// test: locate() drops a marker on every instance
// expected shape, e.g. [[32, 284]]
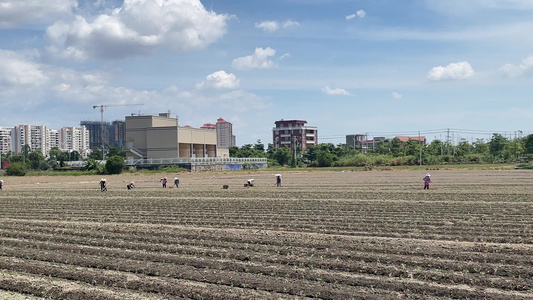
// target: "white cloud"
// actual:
[[526, 66], [137, 28], [284, 56], [460, 70], [16, 13], [268, 26], [335, 92], [258, 60], [16, 70], [396, 95], [219, 80], [360, 13], [271, 26], [290, 23]]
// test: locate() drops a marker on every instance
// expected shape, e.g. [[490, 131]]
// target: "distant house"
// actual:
[[365, 145], [294, 134]]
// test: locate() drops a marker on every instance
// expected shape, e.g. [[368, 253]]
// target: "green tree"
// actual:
[[497, 145], [396, 147], [528, 144], [116, 151], [114, 164], [515, 148], [96, 154], [75, 155], [16, 169], [435, 147], [463, 148], [35, 158], [324, 158], [282, 155], [480, 147]]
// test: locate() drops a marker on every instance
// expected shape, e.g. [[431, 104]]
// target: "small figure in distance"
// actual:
[[427, 181], [131, 185], [250, 182], [176, 181], [1, 184], [103, 185], [163, 182], [278, 179]]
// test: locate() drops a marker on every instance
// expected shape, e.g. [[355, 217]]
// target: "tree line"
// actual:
[[20, 163], [394, 152]]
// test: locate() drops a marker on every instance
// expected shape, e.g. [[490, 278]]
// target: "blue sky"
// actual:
[[382, 67]]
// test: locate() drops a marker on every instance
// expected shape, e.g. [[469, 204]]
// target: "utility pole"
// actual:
[[420, 147]]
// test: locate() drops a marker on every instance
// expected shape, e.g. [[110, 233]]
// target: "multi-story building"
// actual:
[[35, 136], [294, 134], [5, 139], [95, 133], [75, 139], [117, 133], [354, 140], [225, 137], [53, 140], [160, 137]]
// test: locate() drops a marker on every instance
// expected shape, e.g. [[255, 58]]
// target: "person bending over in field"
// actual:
[[131, 185], [163, 182], [103, 185], [176, 181], [427, 181], [1, 184]]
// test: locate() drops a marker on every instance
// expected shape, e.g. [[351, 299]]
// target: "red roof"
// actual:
[[411, 138], [220, 120], [209, 126]]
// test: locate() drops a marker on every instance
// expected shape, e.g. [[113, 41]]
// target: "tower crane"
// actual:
[[102, 107]]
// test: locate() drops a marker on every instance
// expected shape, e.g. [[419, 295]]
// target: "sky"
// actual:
[[377, 67]]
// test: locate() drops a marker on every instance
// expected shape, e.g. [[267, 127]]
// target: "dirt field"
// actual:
[[327, 235]]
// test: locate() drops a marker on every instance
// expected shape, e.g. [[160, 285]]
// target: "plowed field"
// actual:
[[326, 235]]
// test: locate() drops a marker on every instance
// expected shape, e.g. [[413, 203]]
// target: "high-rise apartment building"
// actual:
[[225, 137], [294, 134], [35, 136], [75, 139], [95, 133], [5, 139]]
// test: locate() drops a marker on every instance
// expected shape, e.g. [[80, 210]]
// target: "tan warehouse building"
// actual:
[[156, 137]]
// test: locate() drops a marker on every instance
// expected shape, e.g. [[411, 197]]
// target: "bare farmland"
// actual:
[[327, 235]]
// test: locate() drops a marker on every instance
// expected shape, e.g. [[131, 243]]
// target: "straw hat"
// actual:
[[427, 174]]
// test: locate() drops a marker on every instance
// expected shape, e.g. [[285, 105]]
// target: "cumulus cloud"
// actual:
[[268, 26], [525, 67], [16, 70], [14, 13], [460, 70], [219, 80], [137, 28], [258, 60], [271, 26], [360, 13], [335, 92], [396, 95]]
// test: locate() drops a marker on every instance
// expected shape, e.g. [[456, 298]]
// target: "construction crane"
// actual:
[[102, 107]]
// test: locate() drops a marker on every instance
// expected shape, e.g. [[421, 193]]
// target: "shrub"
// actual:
[[114, 165], [16, 169]]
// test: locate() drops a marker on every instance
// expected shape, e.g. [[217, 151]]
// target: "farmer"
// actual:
[[1, 184], [131, 185], [103, 185], [250, 182], [176, 181], [427, 181], [278, 179], [163, 182]]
